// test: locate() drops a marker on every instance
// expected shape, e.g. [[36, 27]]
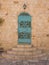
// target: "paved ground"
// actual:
[[4, 61]]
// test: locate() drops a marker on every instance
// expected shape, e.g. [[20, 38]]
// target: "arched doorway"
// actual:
[[24, 28]]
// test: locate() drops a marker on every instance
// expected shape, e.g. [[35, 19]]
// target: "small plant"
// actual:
[[1, 21]]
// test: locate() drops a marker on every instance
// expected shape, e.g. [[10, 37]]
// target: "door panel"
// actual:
[[24, 28]]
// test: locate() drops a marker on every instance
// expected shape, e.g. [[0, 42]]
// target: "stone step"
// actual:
[[19, 53], [23, 49], [24, 57], [23, 46], [17, 56], [11, 56], [37, 52], [24, 53], [7, 56]]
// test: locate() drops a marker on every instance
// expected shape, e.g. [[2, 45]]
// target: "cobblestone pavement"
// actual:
[[4, 61]]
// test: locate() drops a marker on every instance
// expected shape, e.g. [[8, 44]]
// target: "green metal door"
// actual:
[[24, 28]]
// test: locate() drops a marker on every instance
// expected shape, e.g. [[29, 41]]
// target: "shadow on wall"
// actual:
[[1, 21], [1, 49]]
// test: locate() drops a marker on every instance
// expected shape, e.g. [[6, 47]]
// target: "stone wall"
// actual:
[[9, 11]]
